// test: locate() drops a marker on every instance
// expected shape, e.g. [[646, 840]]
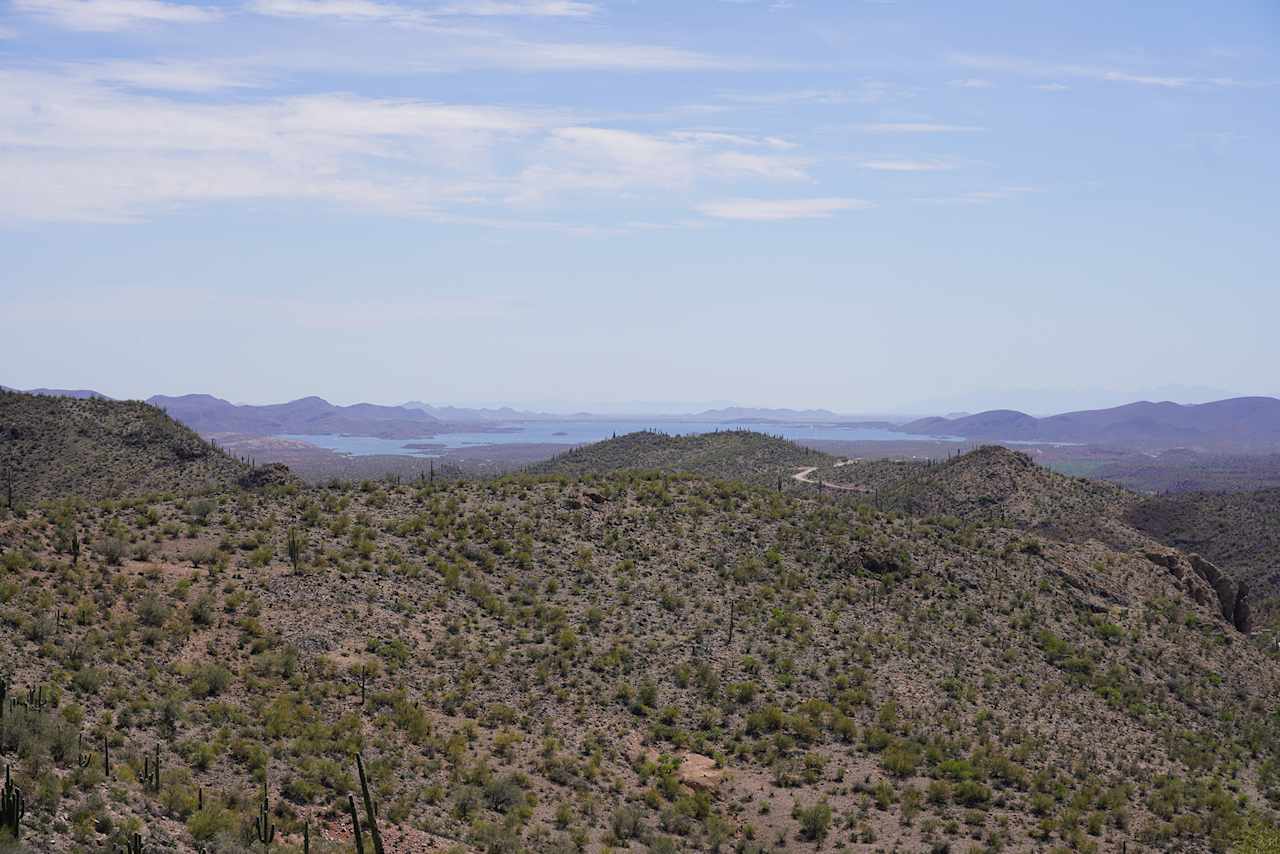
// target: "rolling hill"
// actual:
[[995, 485], [626, 661], [56, 447], [730, 454]]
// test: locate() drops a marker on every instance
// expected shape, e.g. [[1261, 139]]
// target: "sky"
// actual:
[[864, 206]]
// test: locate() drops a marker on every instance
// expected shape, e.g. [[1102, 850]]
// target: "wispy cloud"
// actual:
[[568, 56], [905, 165], [732, 139], [530, 8], [167, 75], [6, 33], [970, 83], [372, 10], [592, 159], [777, 210], [89, 144], [917, 127], [980, 197], [354, 10], [1099, 72], [84, 150], [868, 91], [109, 15]]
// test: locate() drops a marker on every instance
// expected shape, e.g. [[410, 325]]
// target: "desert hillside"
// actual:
[[635, 662], [1238, 531], [56, 447], [742, 455], [997, 486]]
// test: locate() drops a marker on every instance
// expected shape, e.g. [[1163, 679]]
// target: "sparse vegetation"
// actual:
[[545, 663]]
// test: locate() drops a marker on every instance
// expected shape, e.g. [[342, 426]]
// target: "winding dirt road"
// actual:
[[804, 476]]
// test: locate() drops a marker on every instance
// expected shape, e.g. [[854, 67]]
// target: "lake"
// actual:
[[582, 432]]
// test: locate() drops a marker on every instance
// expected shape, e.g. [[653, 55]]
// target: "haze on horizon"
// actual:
[[867, 207]]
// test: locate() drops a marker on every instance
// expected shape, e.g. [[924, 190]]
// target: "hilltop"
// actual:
[[995, 485], [57, 447], [729, 454]]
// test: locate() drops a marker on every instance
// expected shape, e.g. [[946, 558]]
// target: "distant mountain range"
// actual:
[[735, 414], [1047, 401], [309, 416], [1240, 421]]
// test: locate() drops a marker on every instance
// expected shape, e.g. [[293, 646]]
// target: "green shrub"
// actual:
[[815, 821]]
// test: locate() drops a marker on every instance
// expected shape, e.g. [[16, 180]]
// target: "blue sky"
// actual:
[[858, 205]]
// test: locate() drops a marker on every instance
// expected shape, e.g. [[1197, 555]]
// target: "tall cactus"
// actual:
[[370, 808], [132, 846], [262, 825], [355, 822], [82, 758], [12, 806], [151, 771]]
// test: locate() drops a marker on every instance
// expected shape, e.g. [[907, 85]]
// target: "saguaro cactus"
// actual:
[[294, 544], [151, 771], [262, 825], [12, 806], [132, 846], [355, 822], [370, 808]]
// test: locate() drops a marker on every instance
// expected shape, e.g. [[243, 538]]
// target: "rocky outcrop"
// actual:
[[1232, 598], [1243, 615], [271, 474]]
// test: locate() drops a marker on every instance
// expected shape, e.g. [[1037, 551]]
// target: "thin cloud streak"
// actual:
[[112, 15], [905, 165], [1100, 73], [84, 146], [779, 210], [917, 127]]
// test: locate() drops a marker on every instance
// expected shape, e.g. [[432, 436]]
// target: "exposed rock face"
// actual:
[[1168, 560], [1243, 617], [1232, 597]]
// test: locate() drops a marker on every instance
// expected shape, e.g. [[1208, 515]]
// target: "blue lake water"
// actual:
[[581, 432]]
